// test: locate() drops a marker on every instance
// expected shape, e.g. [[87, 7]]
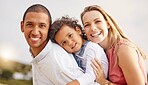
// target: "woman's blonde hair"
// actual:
[[114, 32]]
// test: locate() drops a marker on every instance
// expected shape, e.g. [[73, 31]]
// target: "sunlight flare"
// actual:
[[7, 51]]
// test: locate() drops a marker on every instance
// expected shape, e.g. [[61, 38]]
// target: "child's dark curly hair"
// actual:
[[65, 20]]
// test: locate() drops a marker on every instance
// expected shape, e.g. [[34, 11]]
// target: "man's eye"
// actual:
[[42, 25], [29, 24]]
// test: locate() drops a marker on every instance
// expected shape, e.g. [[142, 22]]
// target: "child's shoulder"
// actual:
[[91, 44]]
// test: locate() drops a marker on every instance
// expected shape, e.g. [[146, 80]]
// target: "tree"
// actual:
[[6, 74]]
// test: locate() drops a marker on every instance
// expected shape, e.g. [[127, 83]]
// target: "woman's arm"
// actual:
[[131, 69]]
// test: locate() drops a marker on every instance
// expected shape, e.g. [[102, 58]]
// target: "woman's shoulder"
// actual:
[[125, 48], [124, 44]]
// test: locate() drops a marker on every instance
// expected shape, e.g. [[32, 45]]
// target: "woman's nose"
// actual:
[[93, 27]]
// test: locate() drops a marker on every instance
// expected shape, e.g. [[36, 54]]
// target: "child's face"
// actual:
[[69, 39], [95, 26]]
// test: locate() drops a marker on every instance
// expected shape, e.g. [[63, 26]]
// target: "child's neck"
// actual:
[[84, 41]]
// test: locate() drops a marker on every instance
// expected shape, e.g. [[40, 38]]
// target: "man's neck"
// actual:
[[36, 50]]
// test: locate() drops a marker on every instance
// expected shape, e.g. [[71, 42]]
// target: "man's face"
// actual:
[[35, 28]]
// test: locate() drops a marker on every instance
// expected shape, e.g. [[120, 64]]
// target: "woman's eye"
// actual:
[[86, 25], [98, 21]]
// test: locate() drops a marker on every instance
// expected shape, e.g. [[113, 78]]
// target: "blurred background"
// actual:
[[15, 69]]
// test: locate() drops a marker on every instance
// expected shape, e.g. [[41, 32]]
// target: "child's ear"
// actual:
[[78, 30]]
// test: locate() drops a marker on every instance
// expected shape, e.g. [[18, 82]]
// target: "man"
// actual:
[[51, 64]]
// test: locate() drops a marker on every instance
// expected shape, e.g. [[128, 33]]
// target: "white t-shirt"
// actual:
[[91, 50], [54, 66]]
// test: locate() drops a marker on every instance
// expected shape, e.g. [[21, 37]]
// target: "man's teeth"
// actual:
[[34, 39]]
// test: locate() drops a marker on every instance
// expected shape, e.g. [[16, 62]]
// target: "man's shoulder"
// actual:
[[54, 48], [50, 45]]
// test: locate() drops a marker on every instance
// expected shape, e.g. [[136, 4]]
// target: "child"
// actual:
[[68, 34]]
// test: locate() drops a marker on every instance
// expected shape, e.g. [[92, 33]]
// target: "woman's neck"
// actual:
[[105, 44]]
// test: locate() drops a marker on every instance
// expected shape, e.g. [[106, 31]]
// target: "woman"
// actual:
[[126, 60]]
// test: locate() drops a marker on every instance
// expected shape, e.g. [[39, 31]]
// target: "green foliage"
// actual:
[[14, 66], [16, 82], [8, 67], [6, 74]]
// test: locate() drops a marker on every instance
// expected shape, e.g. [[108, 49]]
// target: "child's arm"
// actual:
[[88, 77], [74, 82]]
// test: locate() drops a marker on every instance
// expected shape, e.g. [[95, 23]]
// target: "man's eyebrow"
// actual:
[[28, 22], [43, 23]]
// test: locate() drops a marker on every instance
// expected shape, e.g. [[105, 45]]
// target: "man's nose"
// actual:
[[35, 31]]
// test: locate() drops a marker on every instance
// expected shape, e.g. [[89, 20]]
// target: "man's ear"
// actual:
[[78, 30], [22, 24]]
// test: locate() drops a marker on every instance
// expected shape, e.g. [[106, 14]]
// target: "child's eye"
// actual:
[[70, 35], [63, 43]]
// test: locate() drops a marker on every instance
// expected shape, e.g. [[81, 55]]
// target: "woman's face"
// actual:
[[95, 26]]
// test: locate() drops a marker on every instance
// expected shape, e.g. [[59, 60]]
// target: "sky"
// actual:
[[131, 16]]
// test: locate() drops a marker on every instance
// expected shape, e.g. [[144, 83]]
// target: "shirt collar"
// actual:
[[81, 51], [43, 53]]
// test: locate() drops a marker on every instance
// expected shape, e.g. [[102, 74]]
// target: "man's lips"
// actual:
[[34, 38]]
